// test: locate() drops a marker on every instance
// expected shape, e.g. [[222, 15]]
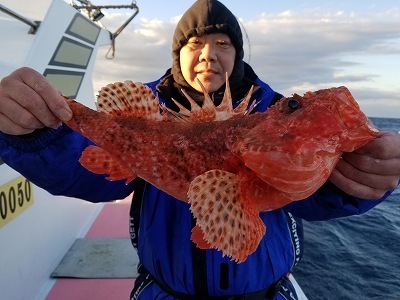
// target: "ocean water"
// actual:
[[357, 257]]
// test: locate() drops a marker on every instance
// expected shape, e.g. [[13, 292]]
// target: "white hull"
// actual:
[[34, 240]]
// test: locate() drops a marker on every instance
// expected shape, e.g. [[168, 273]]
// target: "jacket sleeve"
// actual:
[[49, 159], [330, 202]]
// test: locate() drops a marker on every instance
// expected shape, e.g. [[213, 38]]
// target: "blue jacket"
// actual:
[[49, 158]]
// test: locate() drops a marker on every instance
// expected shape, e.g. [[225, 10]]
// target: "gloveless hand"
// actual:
[[372, 170], [28, 102]]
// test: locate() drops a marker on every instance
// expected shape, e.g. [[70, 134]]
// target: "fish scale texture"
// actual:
[[228, 164]]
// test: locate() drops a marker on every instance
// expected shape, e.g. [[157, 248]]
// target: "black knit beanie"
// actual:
[[205, 17]]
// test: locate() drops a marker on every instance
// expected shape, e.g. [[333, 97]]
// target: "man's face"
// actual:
[[207, 58]]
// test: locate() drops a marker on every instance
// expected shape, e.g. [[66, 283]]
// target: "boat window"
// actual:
[[70, 53], [82, 28], [67, 82]]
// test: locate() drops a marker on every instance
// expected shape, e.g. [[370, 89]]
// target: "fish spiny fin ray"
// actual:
[[226, 221], [99, 161], [203, 113], [183, 111], [129, 98], [225, 109], [208, 111], [244, 108]]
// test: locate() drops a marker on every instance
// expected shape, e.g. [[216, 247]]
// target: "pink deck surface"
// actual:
[[112, 221]]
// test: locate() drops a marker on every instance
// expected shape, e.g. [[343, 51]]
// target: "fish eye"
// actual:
[[293, 104]]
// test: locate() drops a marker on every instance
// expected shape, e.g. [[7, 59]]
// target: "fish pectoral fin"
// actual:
[[128, 98], [228, 222], [99, 161]]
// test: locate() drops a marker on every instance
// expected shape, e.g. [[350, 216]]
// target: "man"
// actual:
[[207, 43]]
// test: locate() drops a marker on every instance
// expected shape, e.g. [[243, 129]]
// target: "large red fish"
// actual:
[[228, 164]]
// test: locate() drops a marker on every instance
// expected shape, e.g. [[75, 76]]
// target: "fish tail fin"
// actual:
[[99, 161], [227, 221]]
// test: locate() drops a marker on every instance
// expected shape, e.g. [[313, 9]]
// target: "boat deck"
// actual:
[[112, 222]]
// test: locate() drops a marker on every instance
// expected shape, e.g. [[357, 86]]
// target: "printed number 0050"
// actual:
[[15, 197]]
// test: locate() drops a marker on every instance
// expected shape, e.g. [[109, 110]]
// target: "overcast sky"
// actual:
[[293, 45]]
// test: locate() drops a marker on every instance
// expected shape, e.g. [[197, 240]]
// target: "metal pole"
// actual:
[[34, 24], [118, 31]]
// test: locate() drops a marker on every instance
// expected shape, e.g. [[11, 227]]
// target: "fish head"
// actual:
[[297, 145], [330, 120]]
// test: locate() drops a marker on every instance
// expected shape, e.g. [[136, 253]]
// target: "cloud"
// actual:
[[292, 51], [143, 53], [312, 47]]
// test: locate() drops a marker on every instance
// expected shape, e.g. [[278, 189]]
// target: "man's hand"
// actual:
[[28, 102], [372, 170]]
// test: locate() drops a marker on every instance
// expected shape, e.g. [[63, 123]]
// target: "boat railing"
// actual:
[[94, 13], [34, 24]]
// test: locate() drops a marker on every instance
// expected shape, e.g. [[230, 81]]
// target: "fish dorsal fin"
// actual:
[[203, 113], [225, 110], [129, 99], [208, 111], [227, 221], [244, 108]]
